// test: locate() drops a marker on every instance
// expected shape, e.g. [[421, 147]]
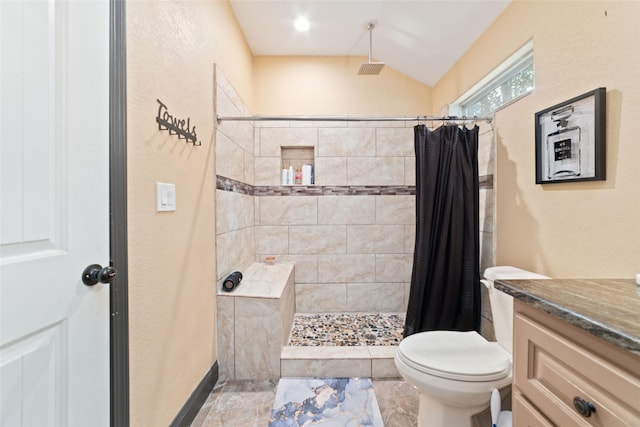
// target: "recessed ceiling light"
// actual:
[[302, 24]]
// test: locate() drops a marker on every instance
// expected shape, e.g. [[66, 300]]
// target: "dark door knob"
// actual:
[[95, 273]]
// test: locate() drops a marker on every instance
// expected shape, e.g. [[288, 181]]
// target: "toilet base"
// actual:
[[433, 413]]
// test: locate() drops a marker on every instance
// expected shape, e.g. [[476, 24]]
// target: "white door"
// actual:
[[54, 151]]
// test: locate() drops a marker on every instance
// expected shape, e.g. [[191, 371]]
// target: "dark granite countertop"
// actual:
[[607, 308]]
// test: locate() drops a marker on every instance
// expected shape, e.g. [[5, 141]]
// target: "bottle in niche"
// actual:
[[298, 176], [563, 146]]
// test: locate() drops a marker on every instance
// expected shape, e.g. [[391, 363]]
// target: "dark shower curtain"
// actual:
[[445, 282]]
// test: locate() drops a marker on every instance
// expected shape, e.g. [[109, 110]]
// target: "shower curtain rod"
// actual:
[[354, 118]]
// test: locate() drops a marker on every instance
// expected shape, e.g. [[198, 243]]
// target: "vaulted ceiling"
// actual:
[[420, 38]]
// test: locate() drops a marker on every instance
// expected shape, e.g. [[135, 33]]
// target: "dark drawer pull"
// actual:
[[583, 407]]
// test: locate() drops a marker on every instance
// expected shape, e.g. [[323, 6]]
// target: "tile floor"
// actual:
[[248, 404], [346, 329]]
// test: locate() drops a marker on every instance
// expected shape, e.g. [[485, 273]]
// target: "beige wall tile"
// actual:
[[306, 266], [487, 210], [225, 336], [394, 267], [233, 211], [384, 368], [239, 132], [256, 141], [272, 139], [347, 210], [325, 352], [375, 297], [382, 351], [346, 142], [321, 297], [346, 268], [487, 251], [257, 326], [234, 251], [395, 209], [486, 166], [375, 171], [486, 153], [272, 239], [409, 238], [375, 239], [318, 239], [229, 158], [327, 367], [485, 307], [297, 156], [227, 102], [318, 124], [249, 168], [378, 124], [330, 171], [222, 84], [267, 171], [487, 329], [407, 293], [287, 311], [394, 142], [409, 171], [297, 210], [245, 137], [256, 205], [264, 281], [271, 124]]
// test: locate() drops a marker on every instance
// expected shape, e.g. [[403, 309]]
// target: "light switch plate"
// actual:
[[165, 197]]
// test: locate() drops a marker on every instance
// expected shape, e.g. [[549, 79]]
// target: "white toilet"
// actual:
[[455, 372]]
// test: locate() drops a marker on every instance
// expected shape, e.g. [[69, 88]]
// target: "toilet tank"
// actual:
[[502, 304]]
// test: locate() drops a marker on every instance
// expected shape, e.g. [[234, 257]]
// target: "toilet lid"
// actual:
[[463, 356]]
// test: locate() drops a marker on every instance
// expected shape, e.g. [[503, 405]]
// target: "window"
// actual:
[[512, 80]]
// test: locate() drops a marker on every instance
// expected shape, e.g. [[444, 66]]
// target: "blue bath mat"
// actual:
[[326, 402]]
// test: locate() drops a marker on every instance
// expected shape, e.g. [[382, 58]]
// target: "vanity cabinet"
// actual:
[[565, 376]]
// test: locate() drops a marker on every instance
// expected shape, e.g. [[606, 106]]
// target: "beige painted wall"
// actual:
[[171, 51], [318, 85], [571, 229]]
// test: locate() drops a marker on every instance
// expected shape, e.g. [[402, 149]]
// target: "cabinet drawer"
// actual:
[[551, 370], [525, 415]]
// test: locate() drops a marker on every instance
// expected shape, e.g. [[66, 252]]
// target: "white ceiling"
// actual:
[[420, 38]]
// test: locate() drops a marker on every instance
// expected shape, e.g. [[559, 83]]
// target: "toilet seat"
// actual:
[[462, 356]]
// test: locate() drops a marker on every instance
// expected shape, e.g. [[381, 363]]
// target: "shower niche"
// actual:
[[297, 165]]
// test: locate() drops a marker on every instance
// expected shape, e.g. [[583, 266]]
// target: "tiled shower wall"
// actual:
[[235, 223], [351, 235], [352, 245], [486, 170]]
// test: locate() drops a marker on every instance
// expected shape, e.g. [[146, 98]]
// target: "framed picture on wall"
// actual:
[[571, 140]]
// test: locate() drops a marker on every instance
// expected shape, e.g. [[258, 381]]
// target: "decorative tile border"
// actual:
[[228, 184], [486, 182], [335, 190]]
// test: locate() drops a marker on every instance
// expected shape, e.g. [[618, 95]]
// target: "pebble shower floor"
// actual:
[[347, 329]]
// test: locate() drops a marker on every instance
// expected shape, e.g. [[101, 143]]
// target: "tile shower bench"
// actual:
[[254, 321]]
